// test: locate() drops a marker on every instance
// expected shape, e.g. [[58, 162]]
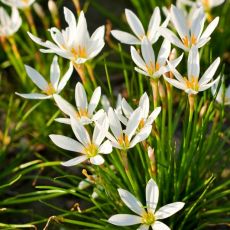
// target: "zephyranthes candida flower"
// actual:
[[9, 25], [129, 137], [146, 118], [90, 147], [85, 111], [147, 217], [55, 86], [189, 36], [149, 66], [192, 84], [138, 29], [74, 42], [18, 3]]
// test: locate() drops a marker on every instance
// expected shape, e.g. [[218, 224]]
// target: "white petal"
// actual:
[[159, 226], [147, 52], [65, 106], [37, 96], [206, 86], [175, 83], [133, 123], [164, 52], [141, 136], [179, 21], [125, 37], [80, 132], [198, 23], [54, 73], [153, 116], [175, 72], [94, 100], [168, 34], [124, 220], [127, 109], [114, 123], [65, 78], [97, 160], [143, 72], [193, 63], [211, 27], [63, 120], [74, 161], [144, 104], [207, 76], [95, 48], [154, 23], [80, 97], [134, 23], [137, 59], [36, 77], [131, 202], [105, 148], [152, 195], [169, 210], [143, 227], [98, 34], [66, 143]]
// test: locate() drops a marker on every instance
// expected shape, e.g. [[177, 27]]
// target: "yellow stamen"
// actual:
[[123, 141], [79, 52], [91, 150], [142, 123], [157, 66], [192, 84], [49, 90], [185, 41], [148, 218], [152, 68], [205, 3], [193, 40]]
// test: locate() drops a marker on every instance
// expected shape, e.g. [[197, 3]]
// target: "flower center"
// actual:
[[185, 41], [123, 141], [91, 150], [152, 68], [148, 218], [82, 113], [79, 52], [49, 90], [205, 3], [25, 1], [193, 39], [141, 124], [192, 84]]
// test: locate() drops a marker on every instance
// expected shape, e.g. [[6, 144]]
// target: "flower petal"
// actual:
[[175, 83], [144, 104], [80, 97], [147, 52], [54, 73], [153, 116], [97, 160], [207, 76], [164, 52], [198, 23], [134, 23], [193, 63], [114, 123], [74, 161], [137, 59], [37, 96], [66, 143], [152, 195], [105, 148], [37, 78], [94, 100], [126, 108], [131, 202], [159, 226], [169, 210], [65, 106], [210, 28], [124, 220], [125, 37], [65, 78]]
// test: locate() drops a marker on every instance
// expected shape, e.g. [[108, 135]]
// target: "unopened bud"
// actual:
[[161, 91], [53, 8], [39, 10], [203, 109], [173, 54]]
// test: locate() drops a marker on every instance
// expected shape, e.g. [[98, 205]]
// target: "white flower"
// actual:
[[18, 3], [9, 25], [137, 28], [55, 86], [192, 84], [223, 95], [74, 43], [189, 36], [145, 216], [149, 66], [129, 137], [146, 119], [85, 110], [91, 148], [207, 4]]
